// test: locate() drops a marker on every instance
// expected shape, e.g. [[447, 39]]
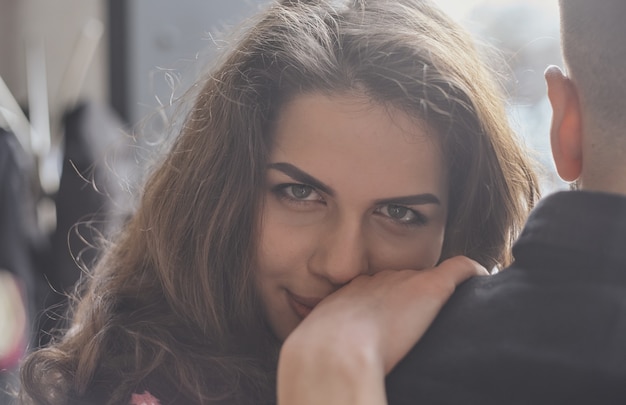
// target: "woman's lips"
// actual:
[[302, 306]]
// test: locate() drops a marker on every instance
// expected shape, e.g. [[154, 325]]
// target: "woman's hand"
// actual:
[[342, 351]]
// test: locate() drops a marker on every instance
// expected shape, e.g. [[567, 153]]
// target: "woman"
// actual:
[[368, 127]]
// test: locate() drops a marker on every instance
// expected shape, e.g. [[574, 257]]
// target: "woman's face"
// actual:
[[352, 188]]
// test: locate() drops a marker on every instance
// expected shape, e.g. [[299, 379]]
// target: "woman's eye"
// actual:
[[298, 192], [398, 212], [402, 214]]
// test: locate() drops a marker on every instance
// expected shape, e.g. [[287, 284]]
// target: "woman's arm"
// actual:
[[342, 351]]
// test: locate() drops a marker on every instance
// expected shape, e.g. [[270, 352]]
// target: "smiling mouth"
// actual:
[[302, 306]]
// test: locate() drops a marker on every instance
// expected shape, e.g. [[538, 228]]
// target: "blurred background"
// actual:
[[132, 54], [86, 90]]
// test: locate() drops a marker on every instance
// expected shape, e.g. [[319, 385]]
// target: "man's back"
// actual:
[[550, 329]]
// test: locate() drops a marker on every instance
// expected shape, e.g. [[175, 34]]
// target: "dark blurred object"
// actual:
[[21, 247], [92, 200]]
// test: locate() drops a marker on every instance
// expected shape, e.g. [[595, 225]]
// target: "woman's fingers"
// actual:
[[461, 268], [413, 304]]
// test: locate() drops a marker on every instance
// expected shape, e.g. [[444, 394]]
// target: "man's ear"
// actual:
[[566, 128]]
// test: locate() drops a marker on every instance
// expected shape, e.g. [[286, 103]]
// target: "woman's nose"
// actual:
[[341, 253]]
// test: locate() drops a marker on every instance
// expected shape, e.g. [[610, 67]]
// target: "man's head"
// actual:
[[589, 102]]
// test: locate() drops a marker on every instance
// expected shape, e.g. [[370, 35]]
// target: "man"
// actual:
[[551, 328]]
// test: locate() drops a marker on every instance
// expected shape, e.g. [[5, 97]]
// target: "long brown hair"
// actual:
[[171, 306]]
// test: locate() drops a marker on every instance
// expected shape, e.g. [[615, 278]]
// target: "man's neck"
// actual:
[[614, 182]]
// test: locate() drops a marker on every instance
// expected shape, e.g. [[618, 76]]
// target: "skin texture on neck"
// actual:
[[605, 177], [604, 157], [603, 149]]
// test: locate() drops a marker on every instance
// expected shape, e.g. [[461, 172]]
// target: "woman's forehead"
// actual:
[[348, 142]]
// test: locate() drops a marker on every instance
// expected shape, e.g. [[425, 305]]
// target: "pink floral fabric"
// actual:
[[144, 399]]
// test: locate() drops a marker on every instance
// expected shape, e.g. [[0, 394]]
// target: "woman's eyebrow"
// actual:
[[305, 178], [416, 199], [301, 177]]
